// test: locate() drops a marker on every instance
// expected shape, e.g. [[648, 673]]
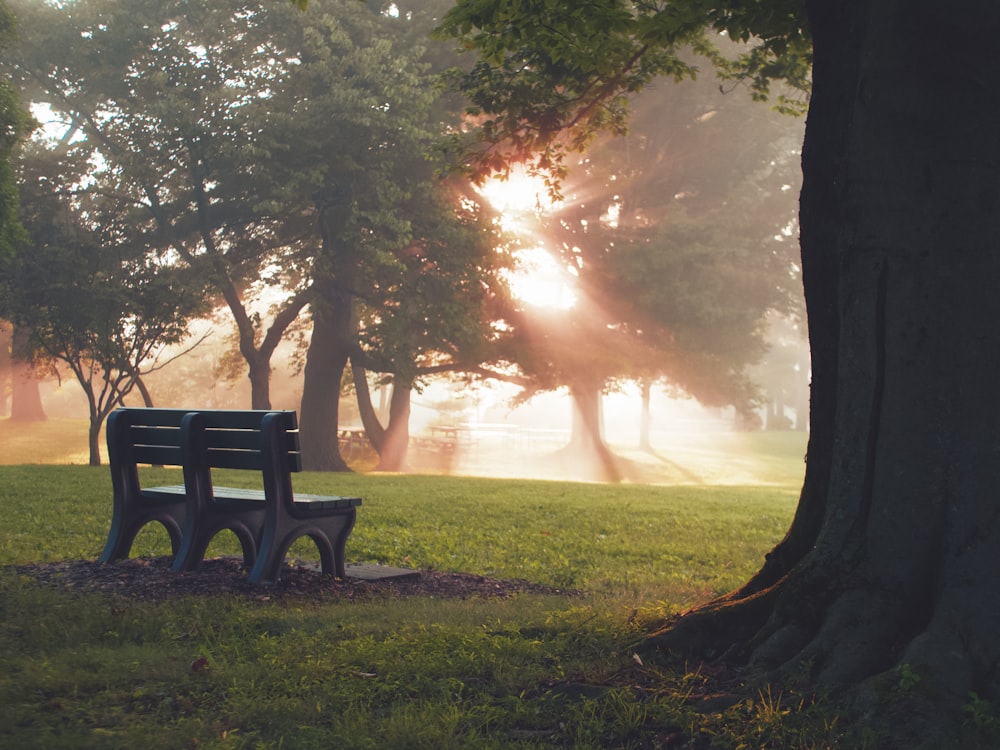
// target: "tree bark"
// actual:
[[889, 564]]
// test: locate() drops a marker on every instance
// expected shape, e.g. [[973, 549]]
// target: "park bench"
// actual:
[[265, 521]]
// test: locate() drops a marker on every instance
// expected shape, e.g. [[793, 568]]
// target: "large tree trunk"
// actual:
[[800, 395], [320, 413], [889, 566]]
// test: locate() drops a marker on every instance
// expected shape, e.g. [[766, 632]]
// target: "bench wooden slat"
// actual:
[[244, 439], [308, 502], [238, 493], [221, 458], [235, 419], [163, 494], [324, 502], [155, 435], [223, 495], [155, 417], [302, 502], [247, 440], [245, 420], [157, 455]]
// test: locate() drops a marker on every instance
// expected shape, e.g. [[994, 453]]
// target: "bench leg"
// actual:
[[196, 541], [119, 543], [269, 560], [122, 537], [329, 533]]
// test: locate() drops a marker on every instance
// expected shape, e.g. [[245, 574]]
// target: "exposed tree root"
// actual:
[[899, 680], [714, 630]]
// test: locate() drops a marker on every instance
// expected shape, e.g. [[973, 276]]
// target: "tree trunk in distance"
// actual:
[[25, 396], [147, 397], [587, 439], [320, 411], [259, 372], [369, 419], [646, 417], [94, 441], [889, 566], [6, 366], [392, 457]]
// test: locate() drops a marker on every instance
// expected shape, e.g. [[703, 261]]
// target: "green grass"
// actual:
[[535, 671], [675, 545]]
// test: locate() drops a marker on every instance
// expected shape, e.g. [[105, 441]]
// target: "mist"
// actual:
[[481, 429]]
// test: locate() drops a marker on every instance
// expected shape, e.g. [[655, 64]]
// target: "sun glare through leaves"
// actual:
[[523, 200]]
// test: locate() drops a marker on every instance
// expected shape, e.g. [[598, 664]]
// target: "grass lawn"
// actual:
[[84, 671]]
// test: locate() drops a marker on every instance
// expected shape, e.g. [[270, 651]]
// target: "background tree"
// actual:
[[676, 240], [15, 125], [384, 220], [101, 309], [887, 567], [433, 310], [277, 154], [173, 106], [28, 369]]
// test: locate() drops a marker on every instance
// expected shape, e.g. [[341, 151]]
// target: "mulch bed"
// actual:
[[151, 579]]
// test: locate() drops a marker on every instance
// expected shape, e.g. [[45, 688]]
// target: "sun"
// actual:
[[539, 280], [517, 194]]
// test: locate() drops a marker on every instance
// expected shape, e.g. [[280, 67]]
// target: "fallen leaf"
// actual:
[[200, 665]]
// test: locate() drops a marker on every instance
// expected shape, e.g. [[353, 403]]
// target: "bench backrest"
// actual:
[[233, 440], [232, 437]]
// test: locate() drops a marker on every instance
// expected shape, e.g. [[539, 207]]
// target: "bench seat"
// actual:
[[302, 503]]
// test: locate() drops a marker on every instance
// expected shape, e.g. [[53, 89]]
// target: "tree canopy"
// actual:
[[98, 306], [15, 124], [550, 75], [284, 157], [172, 109]]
